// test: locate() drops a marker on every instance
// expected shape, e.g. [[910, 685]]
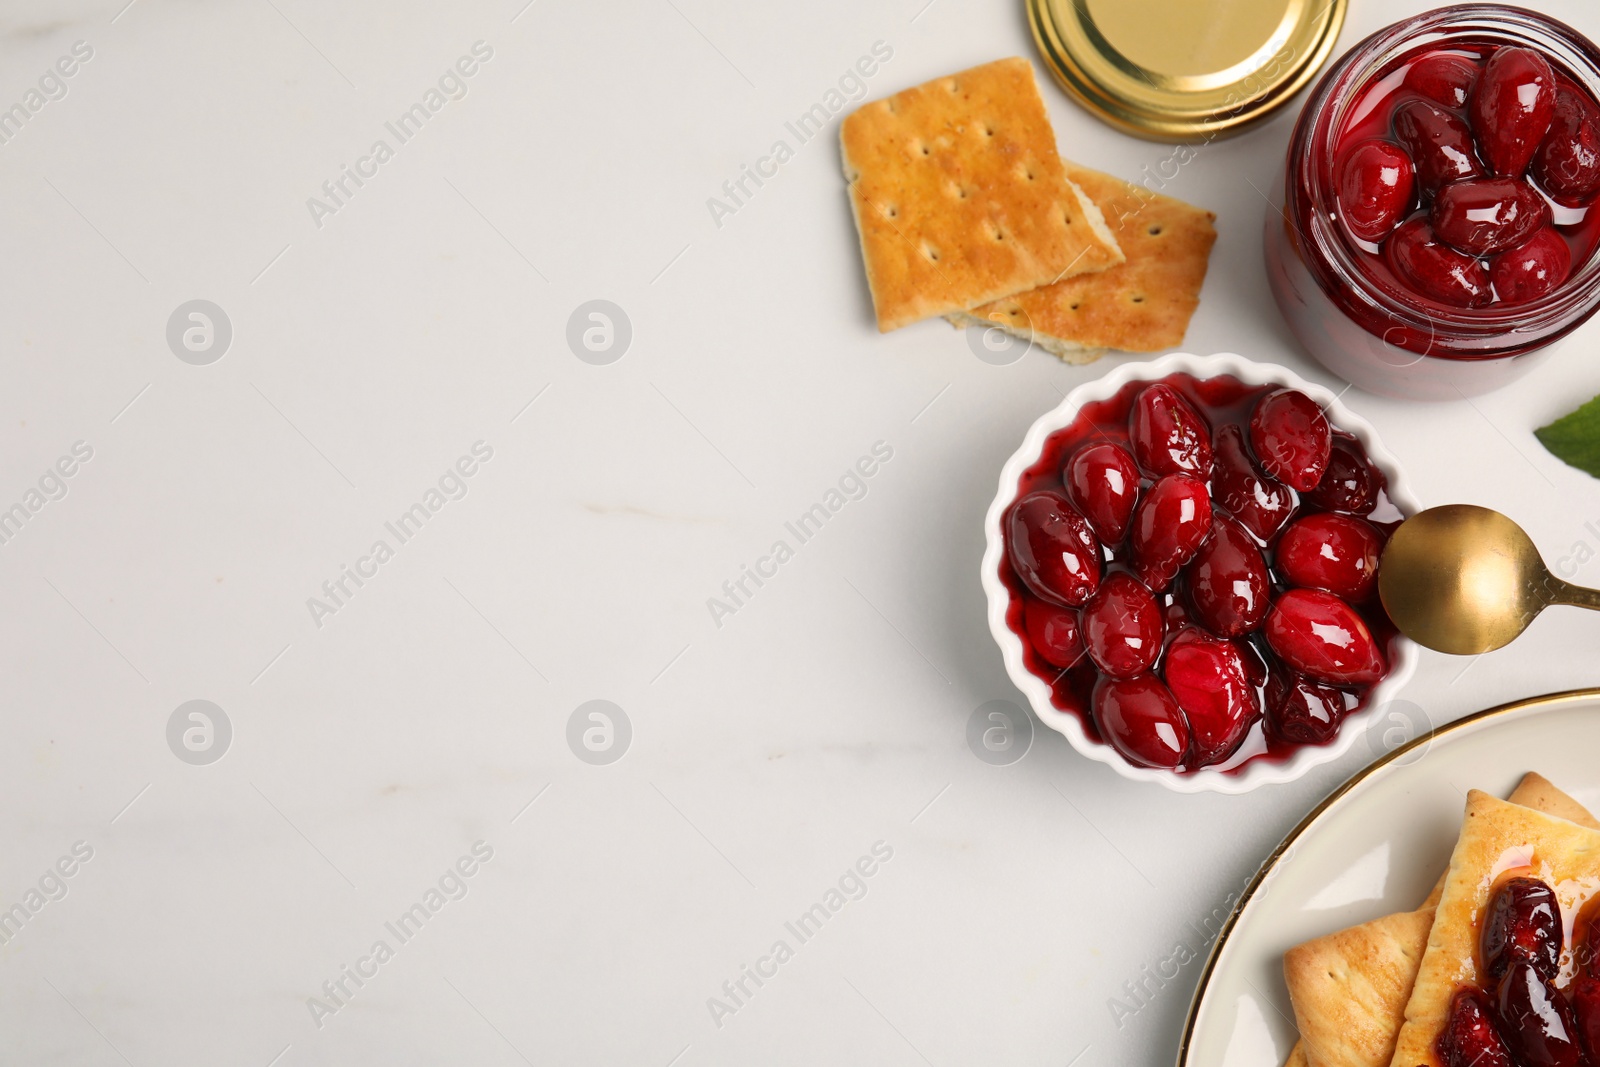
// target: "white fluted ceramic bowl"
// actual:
[[1257, 772]]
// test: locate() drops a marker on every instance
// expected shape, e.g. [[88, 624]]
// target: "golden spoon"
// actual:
[[1464, 580]]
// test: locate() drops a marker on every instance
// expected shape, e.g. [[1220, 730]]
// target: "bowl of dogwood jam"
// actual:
[[1181, 571], [1436, 229]]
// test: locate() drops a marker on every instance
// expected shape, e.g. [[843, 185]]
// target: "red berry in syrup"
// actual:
[[1488, 215], [1168, 527], [1261, 504], [1208, 679], [1122, 626], [1440, 144], [1434, 269], [1140, 719], [1335, 553], [1227, 580], [1536, 1020], [1350, 483], [1584, 995], [1532, 270], [1444, 79], [1255, 662], [1522, 924], [1052, 549], [1321, 636], [1291, 438], [1053, 632], [1470, 1037], [1567, 162], [1376, 186], [1586, 939], [1512, 107], [1302, 711], [1168, 435], [1103, 482]]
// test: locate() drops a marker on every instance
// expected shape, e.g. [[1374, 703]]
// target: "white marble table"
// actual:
[[407, 742]]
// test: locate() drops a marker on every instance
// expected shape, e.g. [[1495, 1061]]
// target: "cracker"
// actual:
[[1494, 833], [960, 197], [1143, 305], [1539, 793], [1379, 959], [1349, 988]]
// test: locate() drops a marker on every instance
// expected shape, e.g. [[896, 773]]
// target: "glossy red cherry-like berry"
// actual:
[[1488, 215], [1586, 939], [1227, 581], [1445, 79], [1335, 553], [1301, 711], [1260, 503], [1140, 718], [1532, 270], [1470, 1037], [1535, 1019], [1169, 525], [1168, 435], [1209, 680], [1439, 143], [1434, 269], [1255, 662], [1522, 924], [1567, 161], [1376, 184], [1584, 995], [1512, 107], [1321, 636], [1291, 438], [1351, 482], [1102, 480], [1052, 549], [1122, 626], [1053, 632]]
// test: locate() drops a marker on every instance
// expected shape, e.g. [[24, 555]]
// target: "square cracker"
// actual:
[[1497, 838], [1143, 305], [960, 198], [1350, 988]]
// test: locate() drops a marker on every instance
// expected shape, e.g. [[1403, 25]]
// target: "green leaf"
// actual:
[[1575, 439]]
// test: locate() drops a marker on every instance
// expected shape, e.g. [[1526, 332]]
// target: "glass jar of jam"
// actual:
[[1437, 224]]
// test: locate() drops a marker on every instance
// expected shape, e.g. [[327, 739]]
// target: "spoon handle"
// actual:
[[1562, 592]]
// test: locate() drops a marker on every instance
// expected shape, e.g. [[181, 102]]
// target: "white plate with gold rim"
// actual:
[[1374, 847]]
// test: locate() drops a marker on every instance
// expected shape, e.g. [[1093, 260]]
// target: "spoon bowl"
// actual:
[[1466, 580]]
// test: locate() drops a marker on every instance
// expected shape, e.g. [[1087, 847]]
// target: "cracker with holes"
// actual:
[[960, 197], [1142, 305], [1349, 988], [1500, 844]]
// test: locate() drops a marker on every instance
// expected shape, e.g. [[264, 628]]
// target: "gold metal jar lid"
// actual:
[[1185, 70]]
